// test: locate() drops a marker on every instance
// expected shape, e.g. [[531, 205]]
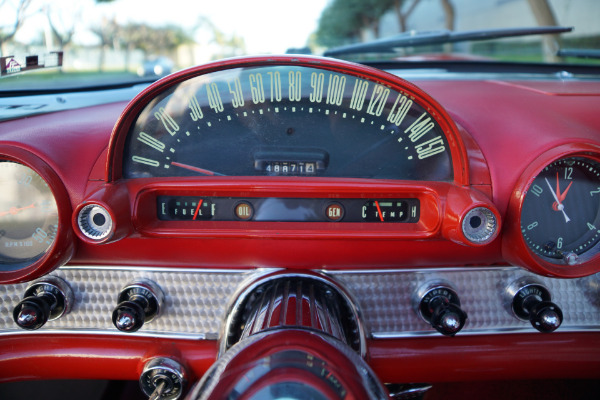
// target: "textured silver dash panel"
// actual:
[[196, 300], [386, 300]]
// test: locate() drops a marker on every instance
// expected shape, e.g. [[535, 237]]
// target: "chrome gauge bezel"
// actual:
[[515, 248], [571, 256], [125, 124], [28, 231], [61, 248]]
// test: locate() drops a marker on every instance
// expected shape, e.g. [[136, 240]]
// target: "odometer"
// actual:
[[560, 218], [288, 120]]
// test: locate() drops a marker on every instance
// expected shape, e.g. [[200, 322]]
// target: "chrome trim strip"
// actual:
[[197, 300]]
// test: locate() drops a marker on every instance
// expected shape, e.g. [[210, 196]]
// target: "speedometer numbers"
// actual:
[[560, 217], [317, 119]]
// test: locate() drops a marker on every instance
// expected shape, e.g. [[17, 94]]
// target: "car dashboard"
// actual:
[[251, 225]]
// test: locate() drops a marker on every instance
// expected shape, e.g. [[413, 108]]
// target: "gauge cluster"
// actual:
[[189, 208], [231, 205], [283, 152]]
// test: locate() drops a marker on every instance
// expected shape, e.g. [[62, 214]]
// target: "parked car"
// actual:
[[159, 66]]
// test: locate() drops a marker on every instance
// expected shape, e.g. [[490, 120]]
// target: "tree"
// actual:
[[9, 31], [343, 21], [107, 33], [403, 15], [61, 33], [542, 11], [449, 14]]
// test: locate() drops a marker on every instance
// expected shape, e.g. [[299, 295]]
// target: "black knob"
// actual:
[[129, 316], [531, 302], [439, 305], [545, 316], [33, 312], [44, 300], [138, 303], [447, 318]]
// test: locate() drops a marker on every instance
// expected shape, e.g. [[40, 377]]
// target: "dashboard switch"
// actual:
[[138, 303], [439, 305], [45, 300], [530, 301]]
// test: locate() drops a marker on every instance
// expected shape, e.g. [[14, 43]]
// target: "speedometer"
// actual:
[[289, 118]]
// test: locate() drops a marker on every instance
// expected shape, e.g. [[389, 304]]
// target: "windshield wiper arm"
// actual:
[[579, 53], [414, 38]]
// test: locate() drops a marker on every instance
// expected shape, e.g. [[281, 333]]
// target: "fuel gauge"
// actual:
[[185, 208]]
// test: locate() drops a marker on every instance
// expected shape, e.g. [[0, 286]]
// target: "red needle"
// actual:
[[15, 210], [564, 194], [379, 210], [560, 197], [197, 208], [195, 169]]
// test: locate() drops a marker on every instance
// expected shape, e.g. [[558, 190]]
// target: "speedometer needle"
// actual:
[[15, 210], [560, 206], [195, 169]]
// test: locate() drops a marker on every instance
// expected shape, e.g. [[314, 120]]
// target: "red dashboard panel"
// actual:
[[467, 233]]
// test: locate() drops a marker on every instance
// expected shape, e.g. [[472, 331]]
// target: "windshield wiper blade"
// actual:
[[579, 53], [414, 38]]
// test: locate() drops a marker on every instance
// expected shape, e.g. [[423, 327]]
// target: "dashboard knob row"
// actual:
[[141, 301]]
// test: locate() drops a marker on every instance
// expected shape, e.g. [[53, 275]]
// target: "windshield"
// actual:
[[117, 42]]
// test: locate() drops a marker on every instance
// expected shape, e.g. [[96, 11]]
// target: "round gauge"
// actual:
[[286, 119], [560, 217], [28, 215]]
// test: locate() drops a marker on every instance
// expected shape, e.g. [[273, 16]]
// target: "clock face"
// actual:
[[560, 218]]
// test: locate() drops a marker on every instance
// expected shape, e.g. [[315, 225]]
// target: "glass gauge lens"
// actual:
[[28, 216], [287, 121], [560, 218]]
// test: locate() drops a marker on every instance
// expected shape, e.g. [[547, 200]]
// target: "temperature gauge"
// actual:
[[185, 208], [390, 210]]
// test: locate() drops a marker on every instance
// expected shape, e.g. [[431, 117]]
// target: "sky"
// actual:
[[267, 26]]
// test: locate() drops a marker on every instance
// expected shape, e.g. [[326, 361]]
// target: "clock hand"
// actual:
[[560, 206], [563, 195]]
